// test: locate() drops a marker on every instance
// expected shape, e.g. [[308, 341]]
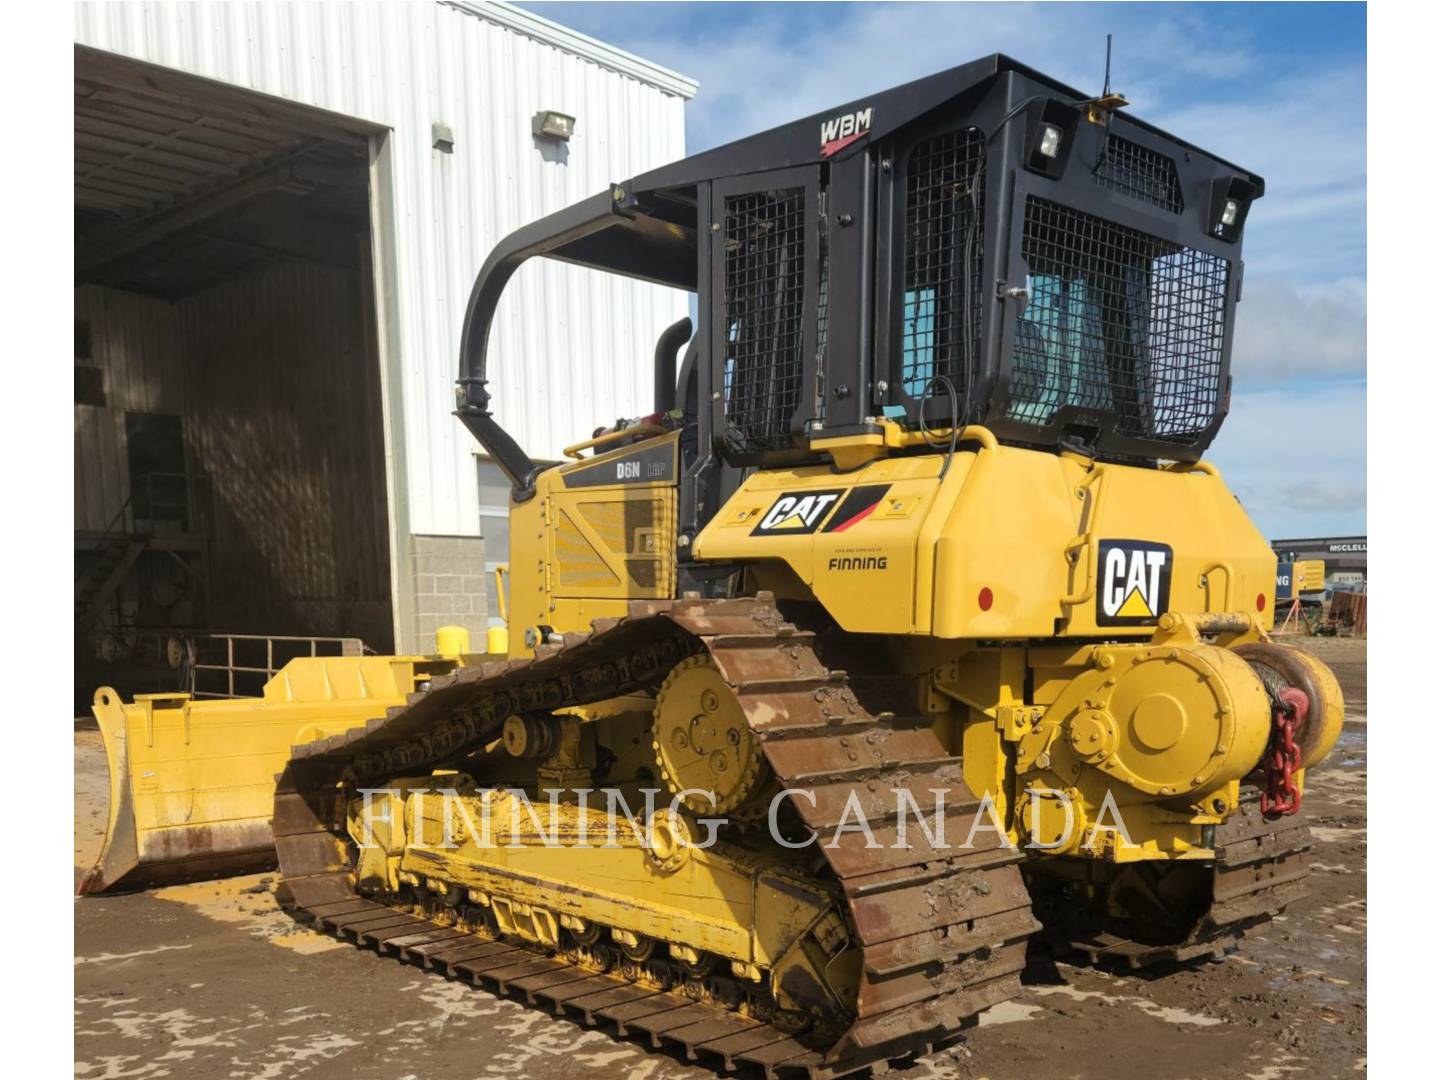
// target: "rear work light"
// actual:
[[1049, 140]]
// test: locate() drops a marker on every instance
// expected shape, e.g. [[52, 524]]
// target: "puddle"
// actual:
[[1008, 1012], [179, 1036], [1276, 1072], [1163, 1013], [247, 902], [1350, 748], [106, 958], [1331, 835]]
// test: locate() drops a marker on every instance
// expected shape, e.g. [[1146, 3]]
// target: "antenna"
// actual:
[[1099, 110]]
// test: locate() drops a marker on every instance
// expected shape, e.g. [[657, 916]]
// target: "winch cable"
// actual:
[[1289, 708]]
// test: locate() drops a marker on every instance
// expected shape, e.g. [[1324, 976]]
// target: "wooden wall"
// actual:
[[276, 377]]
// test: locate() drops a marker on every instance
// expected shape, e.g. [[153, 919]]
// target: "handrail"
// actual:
[[1091, 488], [104, 537], [969, 433], [1204, 582], [119, 516], [1204, 467], [148, 483], [646, 430], [349, 646]]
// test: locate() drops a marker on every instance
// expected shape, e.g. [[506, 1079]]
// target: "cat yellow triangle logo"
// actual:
[[1134, 585], [794, 521], [1135, 607]]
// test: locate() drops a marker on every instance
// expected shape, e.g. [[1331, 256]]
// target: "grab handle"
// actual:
[[612, 436], [1090, 489]]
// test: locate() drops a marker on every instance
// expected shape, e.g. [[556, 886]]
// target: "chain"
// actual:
[[1281, 796]]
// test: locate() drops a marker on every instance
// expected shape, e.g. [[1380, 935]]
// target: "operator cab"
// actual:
[[985, 246]]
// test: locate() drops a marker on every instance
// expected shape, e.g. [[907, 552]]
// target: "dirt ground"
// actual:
[[213, 980]]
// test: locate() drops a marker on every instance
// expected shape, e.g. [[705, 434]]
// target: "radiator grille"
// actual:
[[764, 317], [1141, 173], [1117, 321], [944, 211]]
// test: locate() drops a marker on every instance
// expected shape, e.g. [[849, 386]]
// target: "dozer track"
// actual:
[[942, 930], [1260, 868]]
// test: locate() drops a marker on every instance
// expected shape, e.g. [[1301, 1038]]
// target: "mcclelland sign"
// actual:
[[1334, 545]]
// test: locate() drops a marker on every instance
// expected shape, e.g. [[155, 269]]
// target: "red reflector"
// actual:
[[1260, 602], [986, 599]]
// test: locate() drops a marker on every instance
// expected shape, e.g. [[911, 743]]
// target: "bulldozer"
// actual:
[[910, 618]]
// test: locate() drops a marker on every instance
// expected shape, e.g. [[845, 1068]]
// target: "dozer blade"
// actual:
[[192, 782]]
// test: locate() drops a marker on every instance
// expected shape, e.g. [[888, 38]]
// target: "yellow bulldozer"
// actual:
[[909, 631]]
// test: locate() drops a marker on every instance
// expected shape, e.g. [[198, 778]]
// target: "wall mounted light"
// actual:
[[550, 124]]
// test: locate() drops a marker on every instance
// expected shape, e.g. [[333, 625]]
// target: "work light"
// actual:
[[1049, 140], [1049, 136], [1230, 198]]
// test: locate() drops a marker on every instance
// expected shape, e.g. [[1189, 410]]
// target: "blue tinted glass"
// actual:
[[919, 339]]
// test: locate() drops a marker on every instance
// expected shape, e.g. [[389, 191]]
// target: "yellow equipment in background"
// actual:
[[1310, 576]]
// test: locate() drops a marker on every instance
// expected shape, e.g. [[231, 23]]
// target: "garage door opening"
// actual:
[[229, 437]]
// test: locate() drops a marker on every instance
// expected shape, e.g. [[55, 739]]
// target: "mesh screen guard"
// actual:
[[1120, 322], [764, 317], [944, 252]]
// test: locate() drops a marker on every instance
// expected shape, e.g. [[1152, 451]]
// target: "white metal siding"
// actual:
[[570, 348]]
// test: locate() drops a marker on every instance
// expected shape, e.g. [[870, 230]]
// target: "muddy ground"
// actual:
[[212, 980]]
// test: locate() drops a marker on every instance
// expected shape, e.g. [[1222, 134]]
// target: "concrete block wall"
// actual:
[[449, 585]]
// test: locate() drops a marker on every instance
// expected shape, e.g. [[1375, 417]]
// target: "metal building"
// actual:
[[1344, 556], [280, 209]]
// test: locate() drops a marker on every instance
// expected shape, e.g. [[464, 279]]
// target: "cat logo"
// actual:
[[796, 512], [1134, 585]]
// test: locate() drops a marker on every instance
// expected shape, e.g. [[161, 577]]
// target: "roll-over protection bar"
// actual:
[[472, 399], [609, 231]]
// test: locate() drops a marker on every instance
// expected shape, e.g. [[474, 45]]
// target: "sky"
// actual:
[[1277, 88]]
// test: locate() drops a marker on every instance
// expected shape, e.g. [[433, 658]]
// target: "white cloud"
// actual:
[[1287, 331], [1296, 458], [770, 65], [1204, 73], [1306, 135], [1310, 496]]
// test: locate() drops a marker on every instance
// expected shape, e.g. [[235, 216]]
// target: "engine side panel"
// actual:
[[1010, 543]]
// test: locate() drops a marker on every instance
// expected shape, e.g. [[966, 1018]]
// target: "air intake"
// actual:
[[1140, 173]]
